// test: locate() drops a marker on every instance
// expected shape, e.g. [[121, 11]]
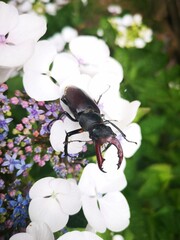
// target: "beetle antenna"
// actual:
[[124, 135], [102, 94]]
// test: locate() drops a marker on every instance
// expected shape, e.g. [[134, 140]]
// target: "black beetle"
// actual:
[[87, 113]]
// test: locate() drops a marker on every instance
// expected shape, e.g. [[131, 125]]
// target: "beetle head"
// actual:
[[101, 132], [104, 134]]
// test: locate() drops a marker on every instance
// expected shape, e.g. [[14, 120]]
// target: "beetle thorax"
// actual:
[[101, 132], [88, 119]]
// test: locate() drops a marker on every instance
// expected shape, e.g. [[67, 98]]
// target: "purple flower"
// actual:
[[53, 109], [3, 136], [2, 184], [4, 122], [34, 112], [3, 87], [11, 161], [22, 166], [44, 129]]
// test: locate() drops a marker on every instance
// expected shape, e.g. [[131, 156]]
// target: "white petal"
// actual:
[[80, 80], [79, 236], [40, 231], [69, 33], [106, 84], [8, 18], [42, 57], [89, 49], [86, 182], [115, 211], [59, 185], [30, 26], [41, 188], [5, 74], [22, 236], [58, 41], [40, 87], [123, 111], [58, 135], [110, 165], [133, 133], [16, 55], [64, 66], [71, 202], [93, 180], [112, 66], [93, 214], [49, 211], [117, 237]]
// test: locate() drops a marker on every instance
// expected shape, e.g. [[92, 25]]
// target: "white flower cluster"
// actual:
[[18, 37], [46, 72], [54, 199], [131, 32], [40, 6]]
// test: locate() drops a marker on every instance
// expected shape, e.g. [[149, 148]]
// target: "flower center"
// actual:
[[2, 39]]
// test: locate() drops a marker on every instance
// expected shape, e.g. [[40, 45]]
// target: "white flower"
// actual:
[[114, 9], [38, 77], [103, 205], [139, 43], [90, 53], [58, 41], [53, 200], [46, 75], [117, 237], [137, 19], [18, 35], [89, 49], [76, 235], [69, 33], [51, 8], [35, 231], [127, 20]]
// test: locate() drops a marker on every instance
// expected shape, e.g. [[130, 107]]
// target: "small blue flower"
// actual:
[[2, 210], [22, 166], [20, 210], [10, 161]]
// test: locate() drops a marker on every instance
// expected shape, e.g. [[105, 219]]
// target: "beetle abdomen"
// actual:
[[78, 101]]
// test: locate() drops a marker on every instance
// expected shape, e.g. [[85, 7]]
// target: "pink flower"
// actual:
[[14, 100], [19, 127]]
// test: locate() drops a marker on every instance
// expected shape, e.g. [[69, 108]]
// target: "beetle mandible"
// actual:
[[87, 113]]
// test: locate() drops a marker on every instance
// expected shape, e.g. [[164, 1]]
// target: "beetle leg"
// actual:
[[124, 135], [68, 134]]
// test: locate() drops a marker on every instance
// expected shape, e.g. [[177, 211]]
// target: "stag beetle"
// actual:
[[87, 113]]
